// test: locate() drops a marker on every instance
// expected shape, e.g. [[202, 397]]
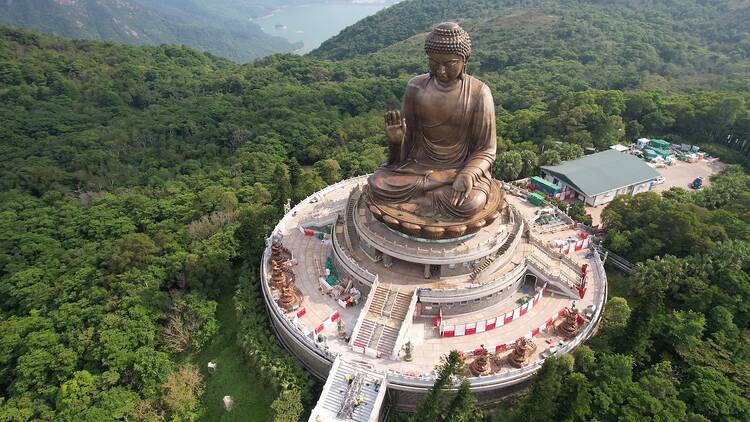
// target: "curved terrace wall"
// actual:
[[407, 391]]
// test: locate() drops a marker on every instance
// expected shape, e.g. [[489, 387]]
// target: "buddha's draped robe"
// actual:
[[469, 147]]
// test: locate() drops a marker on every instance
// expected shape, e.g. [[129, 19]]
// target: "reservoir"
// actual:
[[314, 23]]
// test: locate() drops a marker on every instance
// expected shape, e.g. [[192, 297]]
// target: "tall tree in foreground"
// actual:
[[463, 406]]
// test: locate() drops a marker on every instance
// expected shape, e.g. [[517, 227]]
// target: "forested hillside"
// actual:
[[221, 28], [126, 173], [137, 185], [672, 45]]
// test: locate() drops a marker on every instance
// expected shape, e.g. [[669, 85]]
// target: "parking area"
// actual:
[[679, 174]]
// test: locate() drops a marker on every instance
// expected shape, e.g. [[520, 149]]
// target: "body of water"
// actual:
[[314, 23]]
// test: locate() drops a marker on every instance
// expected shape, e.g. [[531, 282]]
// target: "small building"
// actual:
[[598, 178], [545, 186]]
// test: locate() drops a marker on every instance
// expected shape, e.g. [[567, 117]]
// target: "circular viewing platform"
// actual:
[[341, 286]]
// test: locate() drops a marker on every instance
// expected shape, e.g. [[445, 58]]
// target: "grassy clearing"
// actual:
[[234, 377]]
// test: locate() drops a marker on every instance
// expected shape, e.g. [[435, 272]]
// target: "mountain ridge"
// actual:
[[406, 19], [190, 23], [606, 45]]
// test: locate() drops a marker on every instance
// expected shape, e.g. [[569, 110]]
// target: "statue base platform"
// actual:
[[438, 227]]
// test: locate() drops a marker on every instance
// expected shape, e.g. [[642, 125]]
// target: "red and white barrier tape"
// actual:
[[533, 333], [331, 319], [489, 324]]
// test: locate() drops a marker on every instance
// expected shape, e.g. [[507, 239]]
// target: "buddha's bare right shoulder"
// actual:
[[418, 81]]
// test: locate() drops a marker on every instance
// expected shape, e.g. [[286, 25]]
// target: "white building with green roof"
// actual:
[[597, 179]]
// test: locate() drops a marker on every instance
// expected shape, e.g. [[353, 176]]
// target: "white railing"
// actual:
[[418, 252], [350, 212], [419, 383], [351, 264], [318, 409], [319, 221], [471, 293], [554, 255], [507, 257], [405, 326], [348, 183], [278, 314]]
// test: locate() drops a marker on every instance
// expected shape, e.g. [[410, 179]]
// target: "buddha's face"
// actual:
[[446, 67]]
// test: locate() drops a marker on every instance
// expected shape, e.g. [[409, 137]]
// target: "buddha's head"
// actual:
[[448, 46]]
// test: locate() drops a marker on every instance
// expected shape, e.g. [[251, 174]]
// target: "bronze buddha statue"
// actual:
[[438, 178]]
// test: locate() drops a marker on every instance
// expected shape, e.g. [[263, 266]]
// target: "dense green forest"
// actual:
[[219, 27], [137, 185]]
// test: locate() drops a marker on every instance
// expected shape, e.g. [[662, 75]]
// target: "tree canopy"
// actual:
[[140, 182]]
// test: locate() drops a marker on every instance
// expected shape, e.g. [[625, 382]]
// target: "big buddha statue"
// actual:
[[438, 182]]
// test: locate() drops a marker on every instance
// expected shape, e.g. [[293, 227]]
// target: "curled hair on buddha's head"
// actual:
[[449, 38]]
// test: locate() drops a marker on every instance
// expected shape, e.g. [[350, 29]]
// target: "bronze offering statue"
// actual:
[[438, 182], [290, 298], [277, 251], [278, 278], [522, 349], [481, 364], [568, 328]]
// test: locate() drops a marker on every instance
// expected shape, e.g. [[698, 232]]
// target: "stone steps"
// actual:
[[366, 331], [490, 259], [350, 215], [335, 400], [400, 306], [383, 319], [386, 340]]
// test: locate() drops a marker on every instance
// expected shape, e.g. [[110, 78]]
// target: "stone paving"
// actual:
[[311, 254]]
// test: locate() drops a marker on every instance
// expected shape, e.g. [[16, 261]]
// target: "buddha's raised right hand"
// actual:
[[395, 127]]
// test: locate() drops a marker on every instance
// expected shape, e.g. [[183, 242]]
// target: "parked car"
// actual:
[[697, 183]]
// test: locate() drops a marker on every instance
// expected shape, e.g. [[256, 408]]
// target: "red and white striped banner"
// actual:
[[576, 246], [489, 324], [299, 313], [531, 334], [358, 347], [331, 319]]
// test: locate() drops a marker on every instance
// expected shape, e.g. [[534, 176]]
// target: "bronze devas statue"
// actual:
[[438, 182]]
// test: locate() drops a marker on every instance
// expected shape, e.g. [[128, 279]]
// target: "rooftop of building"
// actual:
[[602, 172]]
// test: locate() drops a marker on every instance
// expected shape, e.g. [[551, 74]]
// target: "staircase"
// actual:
[[400, 306], [383, 318], [384, 338], [487, 261], [539, 263], [349, 216], [336, 401]]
